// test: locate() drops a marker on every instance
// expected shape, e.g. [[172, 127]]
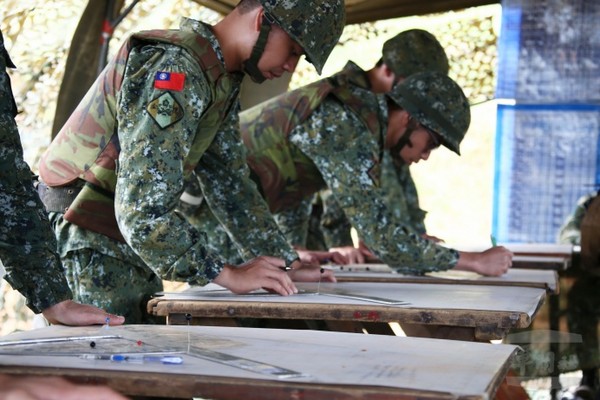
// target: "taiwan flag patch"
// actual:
[[169, 81]]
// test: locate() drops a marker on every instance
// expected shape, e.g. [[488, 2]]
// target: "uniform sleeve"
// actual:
[[415, 214], [334, 223], [27, 243], [234, 198], [570, 231], [346, 170], [294, 221], [150, 176]]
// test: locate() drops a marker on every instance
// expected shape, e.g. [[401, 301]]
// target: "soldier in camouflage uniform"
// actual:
[[333, 135], [27, 246], [406, 53], [163, 111], [582, 228]]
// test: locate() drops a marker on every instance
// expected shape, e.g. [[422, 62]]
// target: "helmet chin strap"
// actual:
[[250, 66], [403, 141]]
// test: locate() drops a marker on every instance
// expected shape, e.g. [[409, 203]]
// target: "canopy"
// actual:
[[373, 10]]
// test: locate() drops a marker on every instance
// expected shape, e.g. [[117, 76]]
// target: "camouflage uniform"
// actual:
[[570, 231], [154, 138], [315, 154], [407, 53], [27, 246], [582, 227]]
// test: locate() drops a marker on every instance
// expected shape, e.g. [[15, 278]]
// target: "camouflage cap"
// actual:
[[414, 51], [316, 25], [438, 103]]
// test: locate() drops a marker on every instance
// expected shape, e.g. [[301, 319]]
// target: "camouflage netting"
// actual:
[[470, 44]]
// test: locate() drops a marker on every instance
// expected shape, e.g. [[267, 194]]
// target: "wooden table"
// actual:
[[554, 256], [247, 363], [543, 279], [467, 312]]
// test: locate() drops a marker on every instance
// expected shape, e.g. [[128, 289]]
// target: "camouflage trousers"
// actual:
[[116, 286], [583, 314]]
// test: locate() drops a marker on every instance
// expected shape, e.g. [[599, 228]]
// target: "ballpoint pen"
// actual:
[[135, 358]]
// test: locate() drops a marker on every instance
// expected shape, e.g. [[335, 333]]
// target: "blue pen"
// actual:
[[134, 358], [494, 243]]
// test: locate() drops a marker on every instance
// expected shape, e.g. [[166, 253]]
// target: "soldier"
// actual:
[[405, 54], [27, 246], [164, 109], [582, 228], [333, 135]]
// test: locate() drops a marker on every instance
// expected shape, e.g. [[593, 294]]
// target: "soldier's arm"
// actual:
[[150, 176], [293, 222], [334, 223], [27, 244], [415, 214], [234, 199], [357, 193]]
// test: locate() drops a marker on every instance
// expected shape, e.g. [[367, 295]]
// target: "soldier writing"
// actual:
[[27, 245], [28, 252], [166, 109], [407, 53]]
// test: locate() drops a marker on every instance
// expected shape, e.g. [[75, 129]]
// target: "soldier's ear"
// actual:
[[388, 71], [258, 17], [405, 117]]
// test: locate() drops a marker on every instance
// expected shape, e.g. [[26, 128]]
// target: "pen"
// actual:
[[286, 268], [134, 358], [494, 243]]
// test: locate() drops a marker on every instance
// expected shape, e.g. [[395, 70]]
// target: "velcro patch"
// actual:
[[165, 110]]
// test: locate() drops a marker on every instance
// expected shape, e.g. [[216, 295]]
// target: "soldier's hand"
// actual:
[[261, 272], [351, 254], [52, 388], [320, 257], [492, 262], [69, 312], [312, 273]]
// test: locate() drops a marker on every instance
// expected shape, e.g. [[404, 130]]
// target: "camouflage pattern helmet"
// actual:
[[414, 51], [316, 25], [438, 103]]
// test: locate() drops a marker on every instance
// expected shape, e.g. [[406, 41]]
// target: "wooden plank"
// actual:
[[553, 256], [490, 311], [544, 279], [329, 364]]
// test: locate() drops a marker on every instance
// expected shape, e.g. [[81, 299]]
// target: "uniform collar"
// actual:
[[206, 31], [356, 75]]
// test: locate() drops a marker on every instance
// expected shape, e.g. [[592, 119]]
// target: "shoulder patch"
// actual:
[[165, 110], [169, 80]]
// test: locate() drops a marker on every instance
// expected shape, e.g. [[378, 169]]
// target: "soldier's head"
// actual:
[[289, 28], [414, 51], [407, 53], [426, 110]]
